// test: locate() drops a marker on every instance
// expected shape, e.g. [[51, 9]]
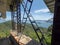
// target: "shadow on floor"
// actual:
[[5, 41]]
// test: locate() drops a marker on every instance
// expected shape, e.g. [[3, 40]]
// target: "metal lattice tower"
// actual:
[[18, 16], [27, 10]]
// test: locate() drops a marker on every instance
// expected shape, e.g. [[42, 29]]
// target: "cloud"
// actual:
[[42, 11]]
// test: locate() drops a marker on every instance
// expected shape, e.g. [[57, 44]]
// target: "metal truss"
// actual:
[[18, 17], [12, 17], [21, 24], [33, 22]]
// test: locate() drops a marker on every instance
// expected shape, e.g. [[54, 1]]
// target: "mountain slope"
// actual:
[[5, 28]]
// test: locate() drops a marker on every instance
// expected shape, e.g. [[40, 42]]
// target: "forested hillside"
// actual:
[[6, 27]]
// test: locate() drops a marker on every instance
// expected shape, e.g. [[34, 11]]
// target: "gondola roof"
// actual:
[[5, 6], [50, 4]]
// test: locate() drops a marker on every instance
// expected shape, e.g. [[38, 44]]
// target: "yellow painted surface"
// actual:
[[22, 39]]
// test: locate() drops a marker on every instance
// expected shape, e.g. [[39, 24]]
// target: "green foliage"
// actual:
[[50, 28], [30, 32], [5, 31]]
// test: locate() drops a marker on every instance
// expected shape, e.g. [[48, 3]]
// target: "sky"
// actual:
[[39, 11]]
